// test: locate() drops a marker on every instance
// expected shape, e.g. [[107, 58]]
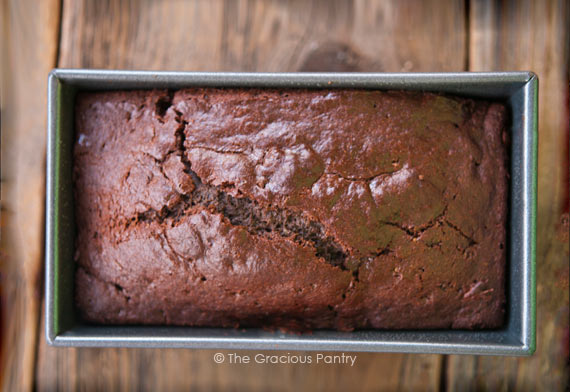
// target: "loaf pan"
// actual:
[[518, 89]]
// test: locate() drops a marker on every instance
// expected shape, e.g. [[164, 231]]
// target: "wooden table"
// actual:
[[256, 35]]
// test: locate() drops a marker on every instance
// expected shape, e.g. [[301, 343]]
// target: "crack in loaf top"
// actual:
[[336, 154], [389, 185]]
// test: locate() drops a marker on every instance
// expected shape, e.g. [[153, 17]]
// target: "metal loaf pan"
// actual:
[[518, 89]]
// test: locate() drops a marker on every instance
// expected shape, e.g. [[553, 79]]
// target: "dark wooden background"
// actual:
[[256, 35]]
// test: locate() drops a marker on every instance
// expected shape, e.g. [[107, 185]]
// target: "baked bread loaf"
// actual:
[[293, 209]]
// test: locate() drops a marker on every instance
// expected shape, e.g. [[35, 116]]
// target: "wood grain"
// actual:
[[251, 36], [275, 35], [532, 35], [29, 51], [264, 35]]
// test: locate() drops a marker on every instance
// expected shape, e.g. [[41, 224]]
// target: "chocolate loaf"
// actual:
[[293, 209]]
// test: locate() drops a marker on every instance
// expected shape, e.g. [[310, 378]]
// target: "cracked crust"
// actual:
[[293, 209]]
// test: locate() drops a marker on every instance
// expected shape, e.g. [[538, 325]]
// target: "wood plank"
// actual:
[[30, 41], [264, 35], [532, 35], [251, 36]]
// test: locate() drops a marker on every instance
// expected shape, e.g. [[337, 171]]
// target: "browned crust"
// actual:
[[296, 209]]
